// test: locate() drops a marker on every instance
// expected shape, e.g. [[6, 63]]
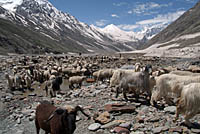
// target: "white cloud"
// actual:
[[128, 27], [145, 8], [191, 1], [114, 16], [119, 4], [101, 23], [166, 18], [158, 20]]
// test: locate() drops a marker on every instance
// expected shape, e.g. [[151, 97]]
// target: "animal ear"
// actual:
[[58, 111]]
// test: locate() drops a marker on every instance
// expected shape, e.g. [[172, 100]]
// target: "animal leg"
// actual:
[[37, 126], [46, 90], [80, 85], [124, 94], [177, 113], [54, 93], [117, 92], [187, 117]]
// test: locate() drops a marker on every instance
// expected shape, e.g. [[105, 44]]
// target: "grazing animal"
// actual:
[[103, 74], [11, 81], [170, 85], [54, 86], [76, 80], [189, 102], [56, 120], [136, 82], [120, 73]]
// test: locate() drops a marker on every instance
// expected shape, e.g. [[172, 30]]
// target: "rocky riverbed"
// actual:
[[109, 115]]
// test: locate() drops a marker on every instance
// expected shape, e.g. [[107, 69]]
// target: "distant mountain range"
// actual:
[[36, 26], [180, 39]]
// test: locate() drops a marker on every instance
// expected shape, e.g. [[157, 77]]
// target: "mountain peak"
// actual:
[[111, 28]]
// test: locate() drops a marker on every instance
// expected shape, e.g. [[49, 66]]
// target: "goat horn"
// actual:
[[79, 108], [58, 111]]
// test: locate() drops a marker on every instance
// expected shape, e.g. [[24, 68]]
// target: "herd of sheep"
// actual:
[[155, 83]]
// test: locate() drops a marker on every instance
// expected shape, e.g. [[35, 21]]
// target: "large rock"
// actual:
[[112, 124], [103, 118], [170, 109], [120, 130], [119, 108], [94, 126]]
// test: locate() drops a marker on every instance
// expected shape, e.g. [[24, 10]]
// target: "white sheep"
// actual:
[[135, 82], [54, 72], [189, 102], [170, 85], [103, 74], [28, 81], [76, 80], [119, 73], [10, 80], [184, 73], [46, 74]]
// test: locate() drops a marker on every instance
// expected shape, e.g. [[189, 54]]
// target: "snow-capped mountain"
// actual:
[[71, 35], [117, 34]]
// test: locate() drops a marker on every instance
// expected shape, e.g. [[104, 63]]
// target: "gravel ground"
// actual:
[[17, 108]]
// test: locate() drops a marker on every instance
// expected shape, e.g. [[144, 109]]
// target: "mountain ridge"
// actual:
[[179, 39], [41, 16]]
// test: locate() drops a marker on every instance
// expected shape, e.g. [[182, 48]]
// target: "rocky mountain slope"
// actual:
[[181, 38], [59, 32]]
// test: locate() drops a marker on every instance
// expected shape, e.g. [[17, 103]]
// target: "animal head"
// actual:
[[68, 117], [137, 67], [148, 68]]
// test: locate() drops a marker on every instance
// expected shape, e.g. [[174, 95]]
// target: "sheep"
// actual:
[[28, 81], [135, 82], [170, 84], [56, 120], [54, 86], [184, 73], [17, 81], [103, 74], [46, 74], [189, 102], [10, 80], [54, 72], [76, 80], [119, 73], [71, 72]]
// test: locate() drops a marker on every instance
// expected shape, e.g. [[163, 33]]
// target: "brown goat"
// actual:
[[56, 120]]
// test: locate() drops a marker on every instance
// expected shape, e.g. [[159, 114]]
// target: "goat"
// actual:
[[136, 81], [54, 85], [56, 120], [188, 103]]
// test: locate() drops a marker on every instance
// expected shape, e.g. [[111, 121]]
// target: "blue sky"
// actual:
[[126, 14]]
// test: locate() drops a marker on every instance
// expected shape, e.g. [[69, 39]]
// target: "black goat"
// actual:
[[54, 85], [56, 120]]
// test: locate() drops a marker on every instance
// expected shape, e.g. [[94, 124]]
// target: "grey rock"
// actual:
[[31, 118], [102, 86], [137, 132], [94, 126], [18, 121], [170, 109], [110, 124], [78, 118], [126, 125], [157, 130], [195, 130]]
